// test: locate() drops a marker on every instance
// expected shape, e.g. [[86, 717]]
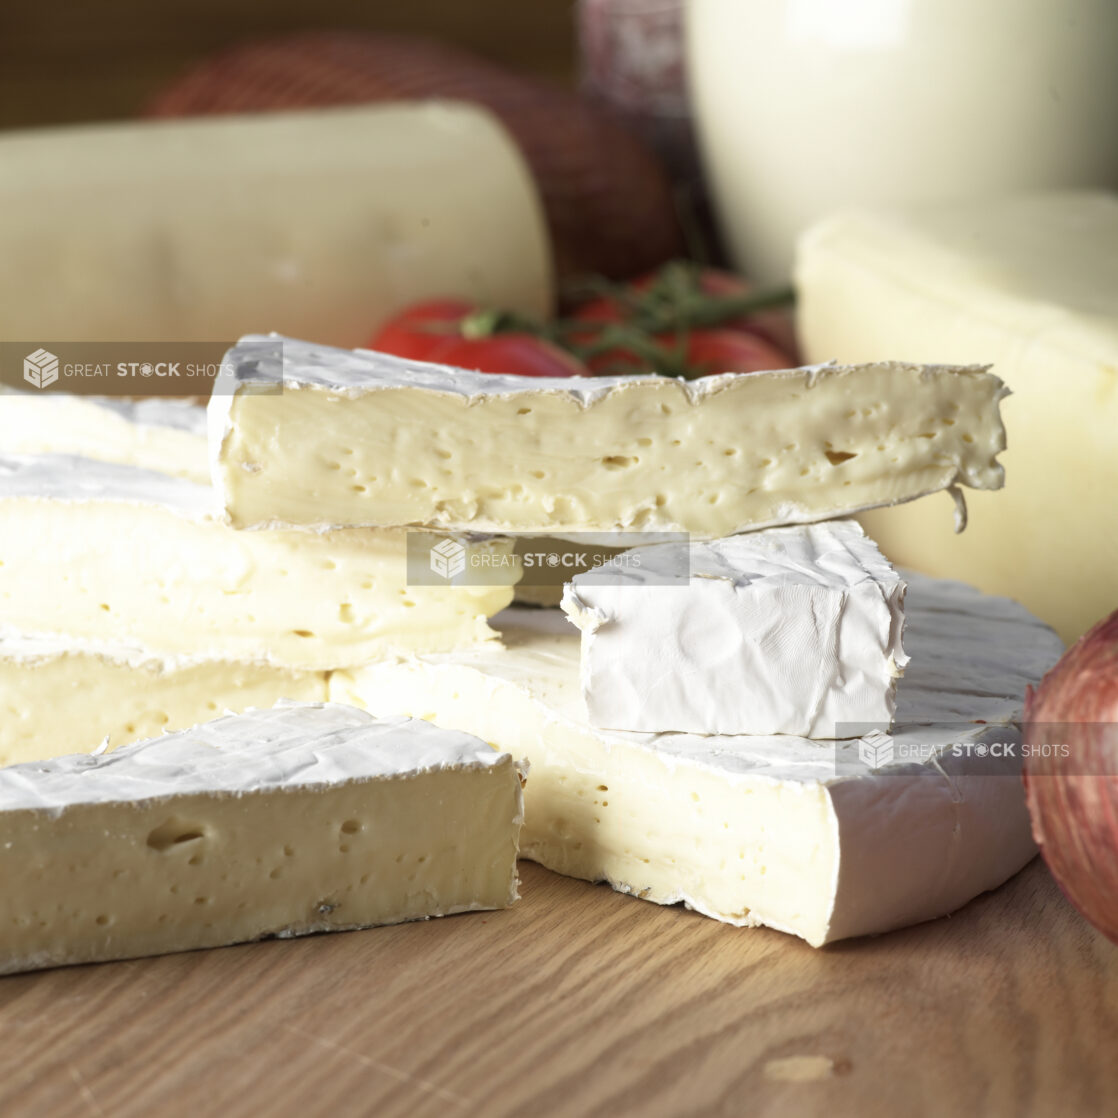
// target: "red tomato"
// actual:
[[431, 331], [744, 344], [521, 354], [731, 351], [712, 281], [764, 340], [775, 326], [605, 310], [422, 330]]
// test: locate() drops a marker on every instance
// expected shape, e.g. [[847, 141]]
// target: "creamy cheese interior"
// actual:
[[357, 438], [104, 556], [54, 701]]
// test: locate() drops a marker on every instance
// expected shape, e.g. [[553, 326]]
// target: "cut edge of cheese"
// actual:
[[496, 453], [145, 543], [59, 700]]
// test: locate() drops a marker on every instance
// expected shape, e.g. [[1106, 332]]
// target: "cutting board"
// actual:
[[580, 1001]]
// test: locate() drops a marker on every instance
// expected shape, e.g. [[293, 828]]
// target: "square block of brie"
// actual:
[[103, 555], [791, 630], [302, 818]]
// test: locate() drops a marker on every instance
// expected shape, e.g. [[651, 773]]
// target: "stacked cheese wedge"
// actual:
[[699, 734]]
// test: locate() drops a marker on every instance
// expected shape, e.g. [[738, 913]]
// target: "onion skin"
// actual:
[[1073, 799], [609, 202]]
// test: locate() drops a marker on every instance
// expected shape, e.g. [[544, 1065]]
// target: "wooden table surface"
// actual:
[[579, 1001]]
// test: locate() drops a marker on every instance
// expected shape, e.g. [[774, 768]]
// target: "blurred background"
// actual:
[[64, 62], [612, 186]]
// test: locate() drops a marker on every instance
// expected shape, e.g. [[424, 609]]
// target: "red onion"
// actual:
[[1071, 773]]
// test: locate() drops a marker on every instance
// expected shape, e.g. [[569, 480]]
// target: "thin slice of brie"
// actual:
[[55, 701], [163, 434], [361, 438], [282, 822], [104, 555], [791, 630], [782, 831]]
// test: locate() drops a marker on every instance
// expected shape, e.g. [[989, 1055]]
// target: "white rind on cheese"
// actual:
[[56, 700], [114, 558], [164, 434], [282, 822], [761, 830], [792, 630], [362, 438], [71, 479], [1029, 283], [291, 745]]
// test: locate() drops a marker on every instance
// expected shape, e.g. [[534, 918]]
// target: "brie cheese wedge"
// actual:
[[825, 840], [105, 556], [57, 701], [281, 822], [307, 435], [791, 630]]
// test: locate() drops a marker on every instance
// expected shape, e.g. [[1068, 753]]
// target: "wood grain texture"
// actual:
[[579, 1001], [64, 62]]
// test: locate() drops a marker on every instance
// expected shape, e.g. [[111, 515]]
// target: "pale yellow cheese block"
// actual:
[[283, 822], [1030, 285], [319, 223]]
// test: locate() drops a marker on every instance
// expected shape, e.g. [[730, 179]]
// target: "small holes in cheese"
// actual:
[[175, 832]]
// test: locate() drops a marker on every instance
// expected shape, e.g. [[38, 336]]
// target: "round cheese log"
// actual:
[[320, 224], [609, 202]]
